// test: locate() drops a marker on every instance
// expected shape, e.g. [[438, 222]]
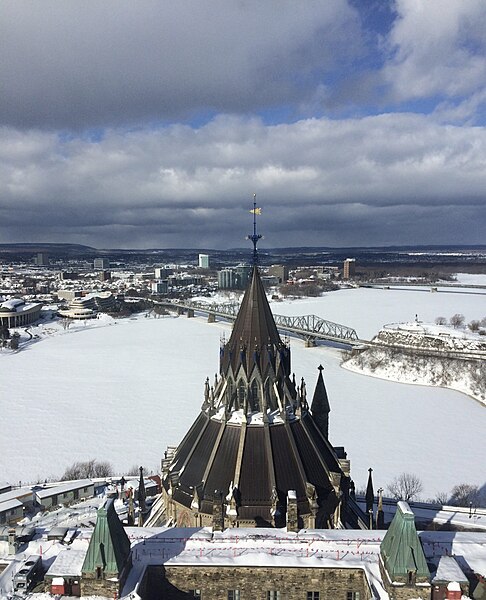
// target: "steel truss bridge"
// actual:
[[309, 327]]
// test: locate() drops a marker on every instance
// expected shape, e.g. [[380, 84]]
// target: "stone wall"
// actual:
[[421, 590], [253, 583]]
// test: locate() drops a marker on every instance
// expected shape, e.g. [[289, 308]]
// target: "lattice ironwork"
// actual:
[[308, 326]]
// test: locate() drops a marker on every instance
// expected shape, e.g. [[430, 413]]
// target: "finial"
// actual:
[[255, 237], [320, 368]]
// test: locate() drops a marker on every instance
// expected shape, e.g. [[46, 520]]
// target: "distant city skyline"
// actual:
[[151, 124]]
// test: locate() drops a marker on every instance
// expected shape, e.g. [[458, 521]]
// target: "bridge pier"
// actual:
[[309, 342], [190, 313], [180, 310], [211, 318]]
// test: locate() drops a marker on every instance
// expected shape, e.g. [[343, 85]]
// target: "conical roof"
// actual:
[[401, 549], [109, 546], [254, 331], [255, 440]]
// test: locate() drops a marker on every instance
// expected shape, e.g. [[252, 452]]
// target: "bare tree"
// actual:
[[87, 470], [440, 321], [405, 487], [441, 498], [474, 325], [465, 494], [457, 320]]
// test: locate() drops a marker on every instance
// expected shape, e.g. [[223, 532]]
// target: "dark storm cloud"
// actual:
[[379, 180], [80, 64]]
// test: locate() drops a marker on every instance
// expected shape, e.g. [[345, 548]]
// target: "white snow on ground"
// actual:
[[124, 392], [393, 355], [368, 309], [471, 278]]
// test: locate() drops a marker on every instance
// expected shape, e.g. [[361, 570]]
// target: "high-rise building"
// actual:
[[101, 264], [162, 272], [279, 271], [160, 286], [227, 279], [204, 261], [41, 259], [349, 268]]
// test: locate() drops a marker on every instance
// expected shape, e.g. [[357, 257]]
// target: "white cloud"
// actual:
[[358, 181], [438, 49], [77, 64]]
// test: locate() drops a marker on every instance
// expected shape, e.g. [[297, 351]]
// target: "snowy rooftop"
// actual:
[[10, 505], [17, 305], [449, 570], [24, 493], [69, 561], [63, 488]]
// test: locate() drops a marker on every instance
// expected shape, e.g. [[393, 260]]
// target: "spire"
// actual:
[[254, 330], [380, 516], [109, 546], [141, 498], [370, 497], [320, 407]]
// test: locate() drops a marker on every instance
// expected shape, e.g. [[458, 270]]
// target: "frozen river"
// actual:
[[126, 391]]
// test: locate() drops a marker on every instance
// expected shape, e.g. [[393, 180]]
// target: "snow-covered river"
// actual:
[[125, 391]]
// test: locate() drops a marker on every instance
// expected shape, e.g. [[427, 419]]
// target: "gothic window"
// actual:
[[233, 594], [352, 596], [273, 595], [240, 402], [255, 400], [313, 596]]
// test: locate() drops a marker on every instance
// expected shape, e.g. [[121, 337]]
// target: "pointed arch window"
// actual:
[[240, 397], [255, 400]]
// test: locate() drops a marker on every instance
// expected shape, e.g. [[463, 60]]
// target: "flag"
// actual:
[[256, 211]]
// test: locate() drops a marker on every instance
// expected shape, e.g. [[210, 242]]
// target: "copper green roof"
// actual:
[[109, 546], [401, 549]]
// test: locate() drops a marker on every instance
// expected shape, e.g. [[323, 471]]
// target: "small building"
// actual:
[[23, 494], [11, 511], [64, 575], [66, 493], [448, 571]]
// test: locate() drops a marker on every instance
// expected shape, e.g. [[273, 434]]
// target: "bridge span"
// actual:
[[310, 327]]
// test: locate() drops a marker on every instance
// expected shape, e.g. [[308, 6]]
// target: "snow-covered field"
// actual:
[[124, 392]]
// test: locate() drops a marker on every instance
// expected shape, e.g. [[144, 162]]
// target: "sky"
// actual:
[[152, 123]]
